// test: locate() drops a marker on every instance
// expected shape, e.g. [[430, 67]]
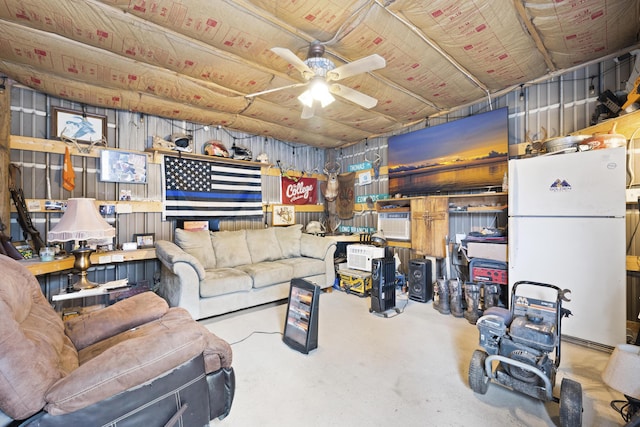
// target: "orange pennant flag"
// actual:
[[68, 174]]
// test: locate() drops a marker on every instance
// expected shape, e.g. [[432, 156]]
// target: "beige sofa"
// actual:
[[212, 273]]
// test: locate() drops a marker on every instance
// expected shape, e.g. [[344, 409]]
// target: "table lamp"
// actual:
[[81, 221], [622, 373]]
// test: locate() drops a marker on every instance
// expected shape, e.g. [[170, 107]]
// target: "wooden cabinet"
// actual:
[[436, 228], [432, 217]]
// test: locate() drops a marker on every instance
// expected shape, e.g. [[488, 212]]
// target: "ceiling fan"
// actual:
[[320, 72]]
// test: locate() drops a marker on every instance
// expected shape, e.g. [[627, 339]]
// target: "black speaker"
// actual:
[[383, 284], [420, 288]]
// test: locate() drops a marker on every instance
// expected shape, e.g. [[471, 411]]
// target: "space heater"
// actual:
[[383, 285]]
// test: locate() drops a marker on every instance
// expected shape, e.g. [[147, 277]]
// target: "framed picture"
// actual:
[[284, 215], [123, 166], [82, 127], [144, 240]]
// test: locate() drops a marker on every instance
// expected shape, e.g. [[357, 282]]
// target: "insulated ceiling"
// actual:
[[196, 60]]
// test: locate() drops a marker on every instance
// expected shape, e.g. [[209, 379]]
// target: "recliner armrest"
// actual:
[[126, 314]]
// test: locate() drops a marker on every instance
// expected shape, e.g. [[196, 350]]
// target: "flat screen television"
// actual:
[[466, 154]]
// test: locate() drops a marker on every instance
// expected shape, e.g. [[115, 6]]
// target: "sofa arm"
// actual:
[[315, 246], [126, 314], [170, 254], [180, 276]]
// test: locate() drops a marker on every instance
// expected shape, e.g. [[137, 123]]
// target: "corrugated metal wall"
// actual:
[[40, 174], [558, 106]]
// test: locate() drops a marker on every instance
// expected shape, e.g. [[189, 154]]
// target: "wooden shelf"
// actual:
[[626, 125], [298, 208], [37, 267], [122, 206], [399, 244], [53, 146], [158, 153], [479, 209], [398, 209]]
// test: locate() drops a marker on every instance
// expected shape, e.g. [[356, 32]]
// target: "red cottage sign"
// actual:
[[302, 191]]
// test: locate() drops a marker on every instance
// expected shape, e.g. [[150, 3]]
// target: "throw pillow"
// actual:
[[263, 245], [197, 244], [289, 240], [231, 248]]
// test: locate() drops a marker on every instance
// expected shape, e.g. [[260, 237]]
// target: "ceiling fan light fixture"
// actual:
[[306, 98], [318, 91]]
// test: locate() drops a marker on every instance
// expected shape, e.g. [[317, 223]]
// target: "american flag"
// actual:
[[196, 189]]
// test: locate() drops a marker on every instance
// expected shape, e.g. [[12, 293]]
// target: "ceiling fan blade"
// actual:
[[293, 59], [308, 112], [264, 92], [362, 65], [353, 95]]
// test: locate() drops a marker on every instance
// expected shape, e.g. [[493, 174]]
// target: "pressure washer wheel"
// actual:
[[478, 379], [570, 403]]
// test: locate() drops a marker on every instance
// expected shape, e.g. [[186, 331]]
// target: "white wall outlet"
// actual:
[[632, 195]]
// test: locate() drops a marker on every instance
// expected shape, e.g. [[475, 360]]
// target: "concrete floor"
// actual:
[[408, 370]]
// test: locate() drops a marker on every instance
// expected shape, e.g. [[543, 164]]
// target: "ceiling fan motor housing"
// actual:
[[320, 66], [316, 50]]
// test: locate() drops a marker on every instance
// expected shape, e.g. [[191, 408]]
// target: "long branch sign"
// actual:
[[301, 191]]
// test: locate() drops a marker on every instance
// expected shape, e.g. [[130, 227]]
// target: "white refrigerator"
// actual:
[[567, 228]]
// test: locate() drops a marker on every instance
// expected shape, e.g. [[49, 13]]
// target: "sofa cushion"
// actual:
[[314, 246], [127, 360], [305, 267], [35, 352], [231, 248], [197, 244], [263, 245], [289, 240], [268, 273], [222, 281]]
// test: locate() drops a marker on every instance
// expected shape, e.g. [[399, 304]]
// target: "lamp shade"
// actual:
[[81, 221], [622, 372]]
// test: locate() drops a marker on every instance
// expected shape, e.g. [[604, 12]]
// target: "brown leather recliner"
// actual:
[[137, 362]]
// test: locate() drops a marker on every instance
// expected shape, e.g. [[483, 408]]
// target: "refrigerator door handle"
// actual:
[[513, 243]]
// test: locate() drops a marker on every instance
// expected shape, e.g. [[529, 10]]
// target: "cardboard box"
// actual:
[[494, 251]]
